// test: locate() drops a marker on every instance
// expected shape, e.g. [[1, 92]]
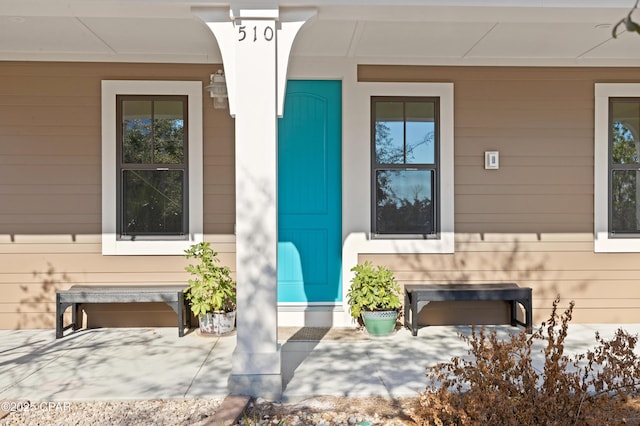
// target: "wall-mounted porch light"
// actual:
[[218, 90]]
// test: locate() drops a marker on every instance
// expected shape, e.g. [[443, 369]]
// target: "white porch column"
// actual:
[[255, 46]]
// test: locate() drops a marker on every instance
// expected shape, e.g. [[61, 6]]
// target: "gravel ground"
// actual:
[[321, 411], [122, 413], [330, 411]]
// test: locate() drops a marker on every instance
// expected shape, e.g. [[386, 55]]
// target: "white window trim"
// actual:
[[357, 178], [602, 241], [110, 88]]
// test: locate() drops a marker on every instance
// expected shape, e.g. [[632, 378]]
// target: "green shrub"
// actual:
[[498, 384], [211, 289], [372, 288]]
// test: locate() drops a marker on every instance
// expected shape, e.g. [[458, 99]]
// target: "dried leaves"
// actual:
[[498, 383]]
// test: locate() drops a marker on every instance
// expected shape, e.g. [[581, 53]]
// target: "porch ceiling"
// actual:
[[445, 32]]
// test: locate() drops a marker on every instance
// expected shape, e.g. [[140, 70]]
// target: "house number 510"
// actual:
[[254, 33]]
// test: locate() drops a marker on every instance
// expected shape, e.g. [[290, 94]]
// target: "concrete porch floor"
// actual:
[[154, 363]]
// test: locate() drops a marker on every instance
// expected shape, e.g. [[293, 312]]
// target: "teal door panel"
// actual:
[[309, 193]]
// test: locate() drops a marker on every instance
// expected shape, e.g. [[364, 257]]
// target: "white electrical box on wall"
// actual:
[[491, 160]]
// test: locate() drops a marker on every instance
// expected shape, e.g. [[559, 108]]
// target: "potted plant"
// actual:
[[211, 291], [375, 295]]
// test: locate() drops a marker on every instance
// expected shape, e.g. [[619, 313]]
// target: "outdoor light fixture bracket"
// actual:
[[217, 88]]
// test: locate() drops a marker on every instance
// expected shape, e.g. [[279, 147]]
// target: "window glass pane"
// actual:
[[626, 214], [168, 146], [137, 133], [420, 127], [389, 132], [624, 129], [153, 202], [404, 202]]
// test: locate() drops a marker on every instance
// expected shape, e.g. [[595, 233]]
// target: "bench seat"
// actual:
[[419, 295], [75, 296]]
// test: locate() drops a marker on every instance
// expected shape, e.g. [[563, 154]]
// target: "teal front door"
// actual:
[[309, 193]]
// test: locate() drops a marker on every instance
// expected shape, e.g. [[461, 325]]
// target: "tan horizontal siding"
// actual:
[[464, 313], [49, 174], [17, 317], [531, 221], [470, 159], [66, 243], [51, 132], [543, 175], [479, 117], [524, 262], [39, 115], [546, 137], [50, 248], [28, 314], [33, 267], [517, 189], [34, 148], [487, 313], [417, 73], [605, 287], [80, 262], [130, 315], [523, 204], [50, 190], [17, 285]]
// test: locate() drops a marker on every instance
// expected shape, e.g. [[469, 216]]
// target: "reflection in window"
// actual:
[[624, 147], [404, 166], [153, 132], [152, 179], [403, 202], [153, 202], [419, 125]]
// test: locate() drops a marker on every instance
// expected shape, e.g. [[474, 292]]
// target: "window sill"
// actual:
[[140, 248], [604, 244], [360, 242]]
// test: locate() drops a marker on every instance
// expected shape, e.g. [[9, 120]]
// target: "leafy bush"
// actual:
[[372, 288], [498, 384], [211, 288]]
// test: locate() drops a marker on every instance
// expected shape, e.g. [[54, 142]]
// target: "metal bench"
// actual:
[[419, 295], [172, 295]]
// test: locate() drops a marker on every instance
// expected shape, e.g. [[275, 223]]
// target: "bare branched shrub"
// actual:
[[499, 384]]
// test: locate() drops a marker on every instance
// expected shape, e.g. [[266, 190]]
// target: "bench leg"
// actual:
[[411, 307], [59, 317], [60, 308], [514, 312], [528, 315], [187, 312], [180, 314], [414, 315], [406, 309]]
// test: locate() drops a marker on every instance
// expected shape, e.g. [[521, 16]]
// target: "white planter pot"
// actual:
[[218, 323]]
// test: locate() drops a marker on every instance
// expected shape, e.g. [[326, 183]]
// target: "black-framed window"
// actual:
[[405, 166], [152, 178], [624, 167]]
